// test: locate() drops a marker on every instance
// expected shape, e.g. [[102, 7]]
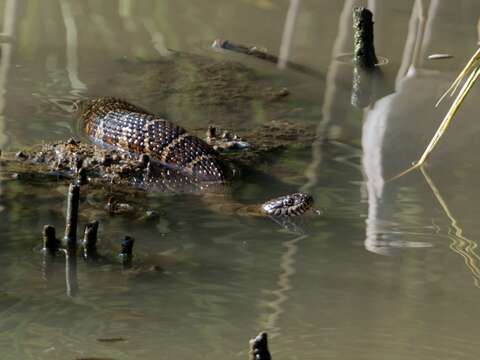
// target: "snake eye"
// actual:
[[288, 202]]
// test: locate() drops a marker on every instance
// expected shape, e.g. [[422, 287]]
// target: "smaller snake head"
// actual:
[[288, 205]]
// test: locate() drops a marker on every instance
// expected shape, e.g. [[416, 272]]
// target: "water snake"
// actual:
[[116, 123]]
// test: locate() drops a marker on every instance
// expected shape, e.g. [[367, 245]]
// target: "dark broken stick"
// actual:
[[364, 50], [50, 241], [90, 240], [262, 54], [259, 347], [126, 252]]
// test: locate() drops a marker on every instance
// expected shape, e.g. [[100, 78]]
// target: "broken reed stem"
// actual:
[[50, 241], [70, 238], [90, 240], [364, 50], [259, 347], [126, 251]]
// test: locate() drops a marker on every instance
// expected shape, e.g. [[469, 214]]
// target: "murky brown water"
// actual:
[[389, 271]]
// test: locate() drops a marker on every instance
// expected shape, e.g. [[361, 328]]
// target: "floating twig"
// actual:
[[439, 56]]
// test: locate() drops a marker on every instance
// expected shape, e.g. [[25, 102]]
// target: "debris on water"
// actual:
[[21, 155], [226, 135], [262, 54], [211, 132], [232, 146], [150, 215], [126, 252], [439, 56], [126, 249], [283, 92], [73, 142], [155, 268], [112, 339], [115, 208], [226, 142]]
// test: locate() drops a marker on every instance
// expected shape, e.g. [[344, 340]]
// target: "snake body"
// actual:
[[115, 122]]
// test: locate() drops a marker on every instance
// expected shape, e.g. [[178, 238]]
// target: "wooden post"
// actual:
[[364, 50]]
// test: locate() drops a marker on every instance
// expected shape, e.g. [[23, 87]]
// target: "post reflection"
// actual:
[[397, 128]]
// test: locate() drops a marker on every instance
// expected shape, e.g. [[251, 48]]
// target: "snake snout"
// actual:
[[288, 205]]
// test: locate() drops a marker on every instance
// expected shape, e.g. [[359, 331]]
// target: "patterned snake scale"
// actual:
[[115, 122]]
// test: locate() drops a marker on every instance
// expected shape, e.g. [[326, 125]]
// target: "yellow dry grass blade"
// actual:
[[455, 84], [472, 67]]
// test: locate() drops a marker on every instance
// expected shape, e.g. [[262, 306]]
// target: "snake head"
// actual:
[[288, 205]]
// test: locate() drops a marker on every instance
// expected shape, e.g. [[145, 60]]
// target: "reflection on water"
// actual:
[[329, 293]]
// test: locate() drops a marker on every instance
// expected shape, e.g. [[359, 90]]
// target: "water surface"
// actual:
[[389, 271]]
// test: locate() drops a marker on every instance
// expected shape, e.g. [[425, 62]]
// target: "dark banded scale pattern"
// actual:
[[288, 205], [123, 125]]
